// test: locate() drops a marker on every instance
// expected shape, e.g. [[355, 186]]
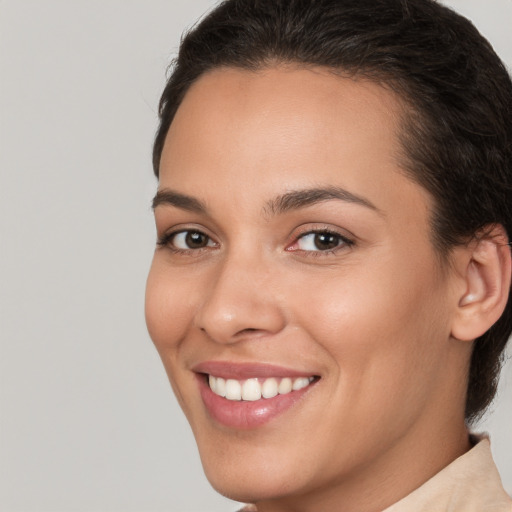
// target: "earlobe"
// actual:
[[487, 276]]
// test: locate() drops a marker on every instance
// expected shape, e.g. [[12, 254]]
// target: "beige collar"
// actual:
[[470, 483]]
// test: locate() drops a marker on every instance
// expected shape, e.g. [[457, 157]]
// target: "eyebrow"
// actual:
[[293, 200], [297, 199], [172, 198]]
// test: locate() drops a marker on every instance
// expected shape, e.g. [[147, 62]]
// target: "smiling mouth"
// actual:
[[247, 396], [254, 389]]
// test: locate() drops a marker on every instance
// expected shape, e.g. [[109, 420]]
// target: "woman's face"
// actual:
[[295, 253]]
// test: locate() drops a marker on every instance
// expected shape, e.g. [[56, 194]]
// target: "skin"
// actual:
[[373, 318]]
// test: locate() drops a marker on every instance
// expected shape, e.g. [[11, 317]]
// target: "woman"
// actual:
[[329, 294]]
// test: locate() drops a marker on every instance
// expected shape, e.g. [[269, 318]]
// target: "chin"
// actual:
[[245, 471], [251, 485]]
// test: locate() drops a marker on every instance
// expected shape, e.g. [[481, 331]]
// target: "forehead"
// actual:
[[304, 101], [283, 127]]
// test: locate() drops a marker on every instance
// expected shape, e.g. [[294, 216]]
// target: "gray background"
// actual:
[[87, 418]]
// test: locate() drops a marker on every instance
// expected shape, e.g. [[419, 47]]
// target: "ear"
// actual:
[[486, 284]]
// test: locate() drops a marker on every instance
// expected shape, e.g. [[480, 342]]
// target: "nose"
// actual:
[[241, 301]]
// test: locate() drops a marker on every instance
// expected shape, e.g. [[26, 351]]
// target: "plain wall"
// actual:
[[87, 418]]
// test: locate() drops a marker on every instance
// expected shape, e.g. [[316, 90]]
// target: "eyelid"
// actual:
[[347, 239], [164, 240]]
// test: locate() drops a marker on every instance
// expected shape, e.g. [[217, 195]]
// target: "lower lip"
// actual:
[[246, 415]]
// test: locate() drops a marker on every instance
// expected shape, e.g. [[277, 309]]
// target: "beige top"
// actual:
[[470, 483]]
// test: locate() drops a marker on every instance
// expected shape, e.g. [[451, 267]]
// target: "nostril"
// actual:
[[249, 332]]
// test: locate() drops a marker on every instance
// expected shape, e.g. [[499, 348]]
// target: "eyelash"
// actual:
[[343, 242], [166, 239]]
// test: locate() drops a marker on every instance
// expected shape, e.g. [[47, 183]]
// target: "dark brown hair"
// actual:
[[457, 135]]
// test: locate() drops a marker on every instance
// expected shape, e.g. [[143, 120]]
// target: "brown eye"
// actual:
[[195, 240], [326, 241], [321, 241], [187, 240]]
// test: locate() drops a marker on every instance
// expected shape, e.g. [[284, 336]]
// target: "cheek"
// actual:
[[168, 317], [167, 309], [384, 328]]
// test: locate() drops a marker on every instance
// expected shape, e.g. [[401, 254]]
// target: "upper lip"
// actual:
[[239, 371]]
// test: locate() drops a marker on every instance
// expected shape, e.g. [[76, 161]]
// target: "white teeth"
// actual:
[[233, 390], [213, 383], [269, 388], [285, 386], [300, 383], [220, 386], [252, 390]]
